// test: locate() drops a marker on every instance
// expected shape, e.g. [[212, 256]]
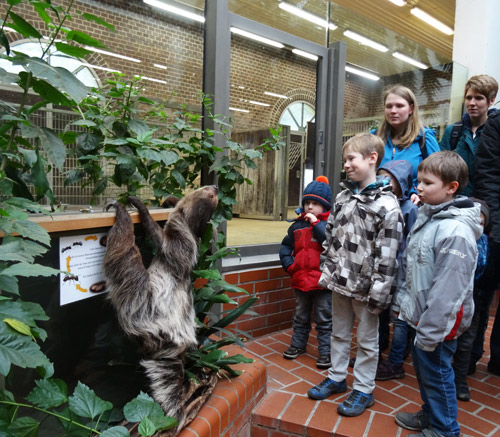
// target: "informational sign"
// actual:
[[80, 256]]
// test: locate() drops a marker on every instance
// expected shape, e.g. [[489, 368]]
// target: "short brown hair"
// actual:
[[483, 84], [365, 144], [447, 166]]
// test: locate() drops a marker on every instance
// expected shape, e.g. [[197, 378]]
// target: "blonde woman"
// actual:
[[403, 133]]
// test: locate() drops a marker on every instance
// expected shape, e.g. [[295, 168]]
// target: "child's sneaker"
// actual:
[[326, 388], [463, 393], [412, 421], [356, 404], [293, 352], [323, 362], [388, 370]]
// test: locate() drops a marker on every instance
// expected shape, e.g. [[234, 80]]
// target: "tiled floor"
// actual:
[[287, 408]]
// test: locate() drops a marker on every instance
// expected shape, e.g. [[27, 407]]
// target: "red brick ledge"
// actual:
[[228, 410]]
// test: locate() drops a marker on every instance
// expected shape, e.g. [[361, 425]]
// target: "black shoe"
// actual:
[[292, 352], [472, 368], [323, 362], [387, 370], [412, 421], [494, 367], [463, 393]]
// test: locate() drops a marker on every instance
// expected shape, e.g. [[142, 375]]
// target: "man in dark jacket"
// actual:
[[488, 189]]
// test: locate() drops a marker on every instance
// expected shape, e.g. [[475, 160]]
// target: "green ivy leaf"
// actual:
[[71, 50], [147, 427], [53, 147], [24, 27], [29, 270], [86, 403], [9, 283], [98, 20], [208, 274], [19, 350], [49, 393], [32, 230], [24, 427], [88, 141], [141, 407], [116, 431]]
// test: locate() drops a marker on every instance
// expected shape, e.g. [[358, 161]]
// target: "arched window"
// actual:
[[54, 58], [297, 115]]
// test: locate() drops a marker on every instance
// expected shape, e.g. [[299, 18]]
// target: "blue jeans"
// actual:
[[436, 381], [399, 341], [305, 302]]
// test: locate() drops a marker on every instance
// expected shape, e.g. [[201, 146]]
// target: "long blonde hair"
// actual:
[[413, 125]]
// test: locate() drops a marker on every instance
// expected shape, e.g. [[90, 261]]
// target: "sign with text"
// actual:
[[80, 256]]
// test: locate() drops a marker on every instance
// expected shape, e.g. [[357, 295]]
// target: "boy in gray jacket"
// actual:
[[441, 259], [359, 265]]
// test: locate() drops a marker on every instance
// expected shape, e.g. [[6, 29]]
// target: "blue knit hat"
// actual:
[[320, 191]]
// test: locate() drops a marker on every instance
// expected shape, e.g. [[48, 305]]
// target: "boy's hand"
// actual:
[[415, 199], [310, 217]]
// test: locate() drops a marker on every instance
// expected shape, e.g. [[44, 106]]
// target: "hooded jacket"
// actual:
[[363, 234], [411, 153], [441, 259], [466, 147], [488, 172], [402, 171], [301, 249]]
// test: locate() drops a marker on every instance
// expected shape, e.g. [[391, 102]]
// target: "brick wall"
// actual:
[[154, 37], [276, 303]]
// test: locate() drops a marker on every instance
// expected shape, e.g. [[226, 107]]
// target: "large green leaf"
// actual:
[[116, 431], [208, 274], [29, 229], [24, 27], [40, 8], [75, 51], [19, 350], [88, 141], [24, 427], [29, 270], [4, 41], [140, 407], [83, 38], [58, 77], [85, 403], [49, 393], [232, 315], [26, 204], [53, 147], [49, 93], [27, 312], [169, 157], [12, 252], [98, 20], [9, 283]]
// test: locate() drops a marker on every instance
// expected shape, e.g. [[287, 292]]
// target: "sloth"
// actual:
[[154, 306]]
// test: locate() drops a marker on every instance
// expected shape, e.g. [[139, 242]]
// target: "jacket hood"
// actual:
[[461, 208], [381, 183], [402, 171], [466, 117]]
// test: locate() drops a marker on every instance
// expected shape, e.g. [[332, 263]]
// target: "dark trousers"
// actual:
[[305, 302]]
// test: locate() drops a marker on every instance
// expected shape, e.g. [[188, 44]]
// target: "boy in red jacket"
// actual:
[[299, 254]]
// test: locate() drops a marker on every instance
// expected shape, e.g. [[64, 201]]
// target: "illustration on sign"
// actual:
[[80, 256]]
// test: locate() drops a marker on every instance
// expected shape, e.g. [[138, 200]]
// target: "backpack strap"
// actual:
[[421, 144], [456, 132]]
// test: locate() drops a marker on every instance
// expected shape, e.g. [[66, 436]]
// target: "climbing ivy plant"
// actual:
[[147, 149]]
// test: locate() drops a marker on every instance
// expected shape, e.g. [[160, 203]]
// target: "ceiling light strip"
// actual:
[[163, 67], [365, 41], [305, 54], [410, 60], [116, 55], [175, 10], [306, 15], [280, 96], [398, 2], [238, 109], [97, 67], [253, 102], [362, 73], [255, 37], [429, 19], [151, 79]]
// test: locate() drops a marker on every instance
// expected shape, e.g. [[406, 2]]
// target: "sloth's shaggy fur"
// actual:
[[155, 306]]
